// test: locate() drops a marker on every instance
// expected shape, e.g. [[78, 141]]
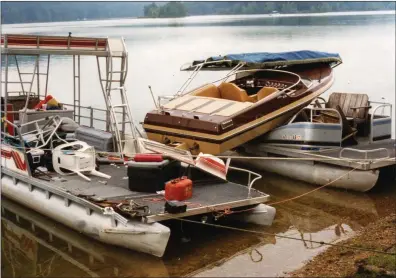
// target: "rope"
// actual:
[[316, 189], [258, 252], [287, 237], [228, 211]]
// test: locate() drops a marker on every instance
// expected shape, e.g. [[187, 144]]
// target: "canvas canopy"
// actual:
[[269, 59]]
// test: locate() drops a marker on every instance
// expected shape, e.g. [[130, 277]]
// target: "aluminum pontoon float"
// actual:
[[49, 163], [346, 141]]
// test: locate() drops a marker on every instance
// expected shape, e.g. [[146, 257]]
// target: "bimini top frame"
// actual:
[[112, 73], [15, 44]]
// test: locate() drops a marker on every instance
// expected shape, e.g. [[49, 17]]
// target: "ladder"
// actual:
[[114, 81]]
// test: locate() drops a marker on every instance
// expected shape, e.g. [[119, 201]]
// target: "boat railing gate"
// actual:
[[381, 105], [365, 153], [251, 175], [312, 109]]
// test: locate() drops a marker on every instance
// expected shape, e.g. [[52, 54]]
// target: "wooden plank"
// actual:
[[344, 99], [358, 103], [364, 102], [353, 103], [341, 101], [333, 100]]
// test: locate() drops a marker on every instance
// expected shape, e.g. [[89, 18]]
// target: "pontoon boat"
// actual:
[[74, 163], [345, 140]]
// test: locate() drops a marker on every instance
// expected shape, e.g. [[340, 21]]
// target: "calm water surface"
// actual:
[[157, 49]]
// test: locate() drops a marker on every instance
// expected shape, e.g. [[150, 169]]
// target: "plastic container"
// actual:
[[100, 140], [151, 176], [179, 189]]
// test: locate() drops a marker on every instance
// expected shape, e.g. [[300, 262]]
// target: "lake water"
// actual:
[[157, 49]]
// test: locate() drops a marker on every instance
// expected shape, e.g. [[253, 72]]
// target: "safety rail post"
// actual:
[[5, 82], [91, 116], [46, 77]]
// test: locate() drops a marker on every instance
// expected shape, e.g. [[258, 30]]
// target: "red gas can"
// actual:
[[178, 189]]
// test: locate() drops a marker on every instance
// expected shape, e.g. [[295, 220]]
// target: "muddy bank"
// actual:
[[341, 262]]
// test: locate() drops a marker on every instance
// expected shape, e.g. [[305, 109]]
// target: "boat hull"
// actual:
[[216, 144], [148, 238], [305, 135]]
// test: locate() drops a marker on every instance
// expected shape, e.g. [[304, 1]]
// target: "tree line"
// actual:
[[171, 9], [26, 12], [29, 12], [202, 8]]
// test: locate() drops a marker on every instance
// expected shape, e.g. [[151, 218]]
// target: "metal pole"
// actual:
[[22, 119], [74, 86], [79, 89], [5, 86], [38, 76], [91, 119], [104, 93], [19, 74], [122, 66], [34, 73], [46, 78]]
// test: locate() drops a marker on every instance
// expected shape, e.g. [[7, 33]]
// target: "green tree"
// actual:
[[151, 10], [173, 9]]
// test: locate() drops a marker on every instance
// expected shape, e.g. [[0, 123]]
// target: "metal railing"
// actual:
[[312, 109], [365, 153], [91, 118], [250, 174], [383, 105], [22, 142]]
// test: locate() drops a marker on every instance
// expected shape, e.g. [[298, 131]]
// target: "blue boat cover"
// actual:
[[268, 59]]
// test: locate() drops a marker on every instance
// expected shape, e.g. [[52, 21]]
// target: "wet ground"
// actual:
[[49, 248]]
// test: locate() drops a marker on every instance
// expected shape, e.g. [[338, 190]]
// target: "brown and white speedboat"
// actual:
[[262, 91]]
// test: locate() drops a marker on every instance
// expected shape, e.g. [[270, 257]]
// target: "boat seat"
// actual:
[[354, 106], [75, 158], [208, 90], [231, 91], [265, 92], [348, 132]]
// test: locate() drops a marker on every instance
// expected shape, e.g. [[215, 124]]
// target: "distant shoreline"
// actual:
[[278, 15]]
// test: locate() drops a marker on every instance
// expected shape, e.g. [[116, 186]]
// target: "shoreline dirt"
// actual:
[[342, 262]]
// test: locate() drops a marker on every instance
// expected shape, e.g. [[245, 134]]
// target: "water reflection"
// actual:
[[33, 245]]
